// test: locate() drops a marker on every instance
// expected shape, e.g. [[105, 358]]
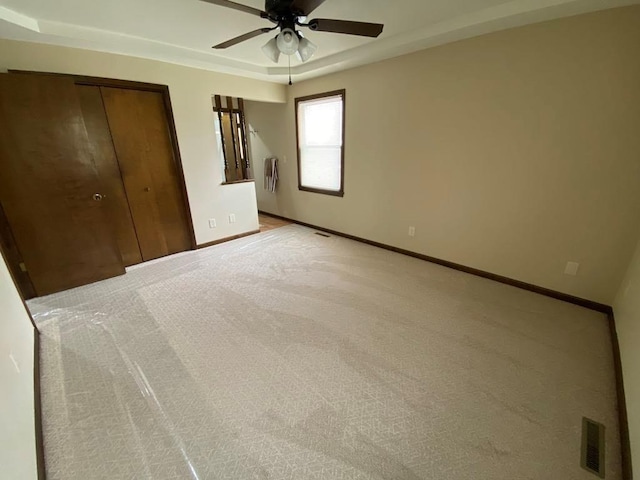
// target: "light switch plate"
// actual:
[[412, 231], [232, 218], [212, 223]]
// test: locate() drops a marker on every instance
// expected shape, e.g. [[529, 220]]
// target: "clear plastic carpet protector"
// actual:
[[288, 355]]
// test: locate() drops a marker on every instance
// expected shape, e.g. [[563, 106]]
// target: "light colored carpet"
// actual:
[[287, 355]]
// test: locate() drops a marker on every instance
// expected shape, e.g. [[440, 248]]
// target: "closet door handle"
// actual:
[[147, 189], [97, 197]]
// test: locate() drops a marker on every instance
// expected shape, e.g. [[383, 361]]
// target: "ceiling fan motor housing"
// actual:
[[280, 8]]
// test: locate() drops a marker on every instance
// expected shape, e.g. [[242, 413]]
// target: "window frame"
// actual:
[[334, 93]]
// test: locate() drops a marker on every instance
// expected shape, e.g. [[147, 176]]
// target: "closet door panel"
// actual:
[[115, 197], [141, 137], [48, 185]]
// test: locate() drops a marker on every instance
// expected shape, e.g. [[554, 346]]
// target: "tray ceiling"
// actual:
[[182, 31]]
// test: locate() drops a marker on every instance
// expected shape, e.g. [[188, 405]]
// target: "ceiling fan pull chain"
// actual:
[[290, 83]]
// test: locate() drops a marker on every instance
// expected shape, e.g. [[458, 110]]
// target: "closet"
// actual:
[[90, 179]]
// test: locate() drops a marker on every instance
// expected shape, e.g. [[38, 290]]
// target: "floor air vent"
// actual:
[[593, 447], [323, 234]]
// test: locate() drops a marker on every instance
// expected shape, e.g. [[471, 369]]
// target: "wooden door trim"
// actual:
[[173, 135]]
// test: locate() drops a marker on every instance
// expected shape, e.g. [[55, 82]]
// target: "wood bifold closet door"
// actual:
[[137, 120], [116, 203], [88, 180], [47, 185]]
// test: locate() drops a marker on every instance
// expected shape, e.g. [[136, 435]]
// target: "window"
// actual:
[[320, 131], [232, 142]]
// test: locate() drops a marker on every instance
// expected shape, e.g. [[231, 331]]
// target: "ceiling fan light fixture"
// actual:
[[287, 41], [306, 49], [271, 50], [287, 15]]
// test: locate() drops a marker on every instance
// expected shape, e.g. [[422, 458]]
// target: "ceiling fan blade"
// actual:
[[242, 38], [305, 7], [344, 26], [238, 6]]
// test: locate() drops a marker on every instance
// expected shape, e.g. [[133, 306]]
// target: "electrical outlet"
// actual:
[[571, 268], [412, 231], [232, 218], [212, 223]]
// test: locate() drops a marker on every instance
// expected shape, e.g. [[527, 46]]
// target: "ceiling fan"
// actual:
[[287, 15]]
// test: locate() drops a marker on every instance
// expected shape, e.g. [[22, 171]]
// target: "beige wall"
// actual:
[[267, 137], [17, 429], [191, 90], [627, 313], [513, 152]]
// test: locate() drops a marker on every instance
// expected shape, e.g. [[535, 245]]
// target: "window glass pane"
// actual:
[[321, 167], [321, 122]]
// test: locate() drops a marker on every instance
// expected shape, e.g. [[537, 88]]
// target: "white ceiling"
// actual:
[[182, 31]]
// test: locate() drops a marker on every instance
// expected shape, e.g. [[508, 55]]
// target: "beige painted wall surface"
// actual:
[[627, 312], [266, 138], [191, 90], [17, 429], [513, 152]]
